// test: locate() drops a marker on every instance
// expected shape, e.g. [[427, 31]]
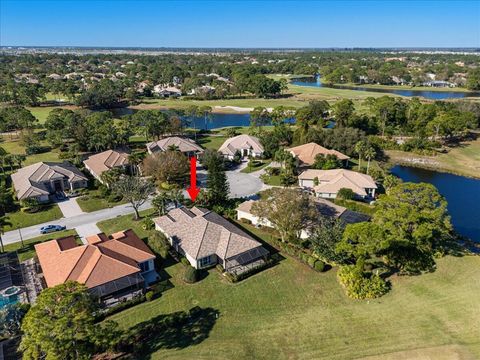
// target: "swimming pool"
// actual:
[[8, 300]]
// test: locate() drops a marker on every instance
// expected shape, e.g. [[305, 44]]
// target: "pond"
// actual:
[[434, 95], [214, 121], [462, 194]]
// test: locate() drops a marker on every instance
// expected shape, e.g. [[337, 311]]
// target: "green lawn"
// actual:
[[21, 219], [93, 201], [14, 147], [273, 180], [356, 206], [28, 251], [125, 222], [41, 112], [211, 141], [259, 165], [291, 312]]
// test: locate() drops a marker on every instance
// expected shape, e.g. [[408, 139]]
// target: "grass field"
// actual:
[[28, 251], [259, 165], [14, 147], [462, 160], [21, 219], [93, 201]]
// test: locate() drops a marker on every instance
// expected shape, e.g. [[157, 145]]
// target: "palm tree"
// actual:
[[111, 176], [160, 203], [19, 159], [135, 159], [177, 197], [369, 153], [173, 147], [360, 150]]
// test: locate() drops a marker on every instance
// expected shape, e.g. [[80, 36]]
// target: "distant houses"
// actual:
[[306, 153], [206, 239], [113, 267], [40, 180], [245, 145], [327, 183], [166, 91], [106, 160], [184, 145]]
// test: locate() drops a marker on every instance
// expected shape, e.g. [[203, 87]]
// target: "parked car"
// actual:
[[51, 228]]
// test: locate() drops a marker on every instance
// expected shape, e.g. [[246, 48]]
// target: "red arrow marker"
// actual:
[[193, 190]]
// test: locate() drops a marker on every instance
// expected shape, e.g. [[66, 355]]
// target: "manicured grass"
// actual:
[[211, 141], [407, 87], [356, 206], [290, 311], [273, 180], [21, 219], [14, 147], [126, 222], [462, 160], [41, 112], [93, 201], [28, 251], [259, 165]]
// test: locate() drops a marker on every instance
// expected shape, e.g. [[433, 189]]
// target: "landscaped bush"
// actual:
[[360, 285], [346, 194], [31, 205], [120, 307], [191, 275], [319, 265], [159, 244], [235, 278], [185, 261], [311, 261], [148, 224], [149, 295], [246, 221], [272, 171]]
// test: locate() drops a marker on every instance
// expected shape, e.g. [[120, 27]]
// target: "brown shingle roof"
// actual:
[[202, 232], [104, 259], [331, 181], [231, 145], [306, 153], [106, 160]]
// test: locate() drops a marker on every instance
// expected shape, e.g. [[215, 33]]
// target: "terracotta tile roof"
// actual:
[[183, 144], [106, 160], [102, 260], [231, 145], [202, 232], [28, 181], [331, 181], [306, 153]]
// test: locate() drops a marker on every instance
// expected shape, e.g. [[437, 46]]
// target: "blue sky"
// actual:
[[241, 24]]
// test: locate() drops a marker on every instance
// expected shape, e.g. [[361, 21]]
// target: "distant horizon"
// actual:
[[241, 25]]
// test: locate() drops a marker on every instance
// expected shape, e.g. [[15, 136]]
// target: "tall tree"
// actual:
[[135, 190], [217, 184]]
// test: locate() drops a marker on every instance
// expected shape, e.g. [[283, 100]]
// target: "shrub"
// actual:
[[246, 221], [185, 261], [149, 295], [272, 171], [346, 194], [220, 268], [114, 197], [148, 224], [358, 285], [319, 265], [30, 205], [190, 275], [311, 261], [159, 244]]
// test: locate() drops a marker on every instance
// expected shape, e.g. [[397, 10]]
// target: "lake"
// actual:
[[434, 95], [462, 194], [214, 121]]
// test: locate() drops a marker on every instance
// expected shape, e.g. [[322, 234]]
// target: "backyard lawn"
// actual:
[[291, 312], [28, 251], [21, 219]]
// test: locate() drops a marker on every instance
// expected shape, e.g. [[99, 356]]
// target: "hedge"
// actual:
[[360, 285], [191, 275]]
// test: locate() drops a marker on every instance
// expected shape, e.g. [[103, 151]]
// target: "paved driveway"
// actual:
[[70, 207], [86, 230], [243, 185]]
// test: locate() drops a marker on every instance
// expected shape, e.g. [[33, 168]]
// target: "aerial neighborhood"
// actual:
[[238, 203]]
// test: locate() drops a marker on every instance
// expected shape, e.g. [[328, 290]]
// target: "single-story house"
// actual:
[[246, 145], [325, 208], [184, 145], [327, 183], [40, 180], [112, 267], [306, 153], [107, 160], [206, 238], [167, 91]]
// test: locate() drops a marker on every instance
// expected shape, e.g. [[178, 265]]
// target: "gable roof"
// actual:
[[106, 160], [201, 233], [231, 145], [331, 181], [28, 181], [306, 153], [102, 260], [183, 144]]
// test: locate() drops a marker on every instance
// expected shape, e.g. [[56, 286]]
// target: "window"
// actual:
[[205, 261], [144, 266]]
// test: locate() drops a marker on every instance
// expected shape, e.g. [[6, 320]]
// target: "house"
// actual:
[[327, 183], [112, 267], [104, 161], [40, 180], [205, 239], [246, 145], [325, 208], [305, 154], [167, 91], [184, 145]]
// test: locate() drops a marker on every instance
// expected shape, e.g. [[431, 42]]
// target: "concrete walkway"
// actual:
[[86, 230]]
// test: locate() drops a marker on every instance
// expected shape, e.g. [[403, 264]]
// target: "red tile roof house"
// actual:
[[113, 267], [206, 238]]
